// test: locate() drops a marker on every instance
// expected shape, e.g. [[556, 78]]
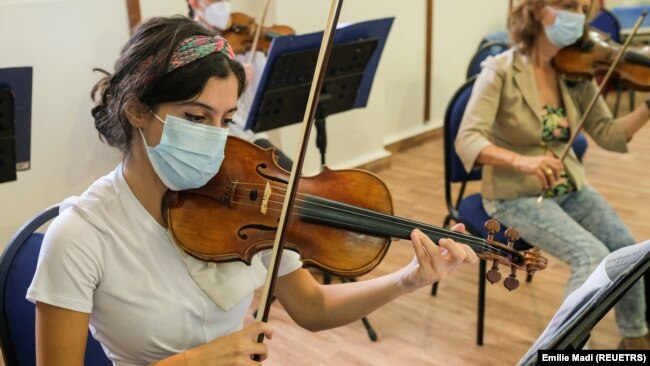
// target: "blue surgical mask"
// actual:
[[189, 154], [567, 28]]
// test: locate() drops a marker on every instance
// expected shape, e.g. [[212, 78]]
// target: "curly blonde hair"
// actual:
[[524, 21]]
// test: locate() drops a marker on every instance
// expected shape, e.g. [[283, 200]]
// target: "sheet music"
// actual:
[[616, 264]]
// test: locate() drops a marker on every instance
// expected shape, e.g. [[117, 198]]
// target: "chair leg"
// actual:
[[447, 221], [371, 331], [434, 289], [480, 313], [529, 278]]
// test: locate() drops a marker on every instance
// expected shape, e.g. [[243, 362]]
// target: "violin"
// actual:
[[593, 55], [342, 220], [241, 34]]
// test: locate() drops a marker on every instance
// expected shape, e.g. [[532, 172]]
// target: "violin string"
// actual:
[[466, 239], [481, 243], [486, 249]]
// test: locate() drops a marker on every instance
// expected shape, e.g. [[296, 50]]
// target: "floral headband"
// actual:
[[197, 47]]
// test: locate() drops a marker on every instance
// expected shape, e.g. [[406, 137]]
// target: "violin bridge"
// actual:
[[229, 198], [265, 198]]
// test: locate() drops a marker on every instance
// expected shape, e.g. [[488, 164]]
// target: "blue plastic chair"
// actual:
[[487, 49], [467, 210], [498, 36], [606, 22], [17, 315]]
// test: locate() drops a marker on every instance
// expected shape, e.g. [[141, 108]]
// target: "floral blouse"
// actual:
[[556, 128]]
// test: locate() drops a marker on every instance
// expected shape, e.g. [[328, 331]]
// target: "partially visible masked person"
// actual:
[[216, 14]]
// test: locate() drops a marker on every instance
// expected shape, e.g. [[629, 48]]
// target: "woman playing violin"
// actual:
[[108, 261], [519, 118], [216, 14]]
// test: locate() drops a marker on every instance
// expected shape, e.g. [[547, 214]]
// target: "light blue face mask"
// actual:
[[189, 154], [567, 28]]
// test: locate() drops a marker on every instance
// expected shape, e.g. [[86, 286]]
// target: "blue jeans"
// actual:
[[580, 228]]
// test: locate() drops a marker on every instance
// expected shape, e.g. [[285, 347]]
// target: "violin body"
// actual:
[[221, 222], [593, 55], [342, 221], [241, 34]]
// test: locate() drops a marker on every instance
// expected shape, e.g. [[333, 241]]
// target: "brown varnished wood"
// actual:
[[241, 34], [594, 55], [191, 215], [133, 10], [428, 51], [228, 219]]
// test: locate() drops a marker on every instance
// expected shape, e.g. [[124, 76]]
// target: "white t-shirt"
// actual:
[[107, 256], [245, 102]]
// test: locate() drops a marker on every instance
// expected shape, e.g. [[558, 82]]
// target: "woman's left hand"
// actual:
[[431, 262]]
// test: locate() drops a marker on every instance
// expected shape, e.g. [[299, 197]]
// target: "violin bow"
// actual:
[[258, 31], [307, 123], [594, 99]]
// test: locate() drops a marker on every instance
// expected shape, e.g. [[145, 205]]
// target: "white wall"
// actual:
[[64, 39], [457, 33], [614, 3]]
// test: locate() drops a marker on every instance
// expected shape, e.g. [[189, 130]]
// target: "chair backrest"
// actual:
[[491, 48], [454, 170], [453, 116], [607, 22], [498, 36], [17, 315]]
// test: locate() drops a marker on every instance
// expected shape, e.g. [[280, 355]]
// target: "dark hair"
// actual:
[[140, 72]]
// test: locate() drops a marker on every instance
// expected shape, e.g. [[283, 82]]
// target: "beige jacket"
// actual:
[[504, 110]]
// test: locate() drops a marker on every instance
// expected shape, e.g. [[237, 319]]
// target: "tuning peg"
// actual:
[[492, 227], [511, 282], [493, 275], [512, 235]]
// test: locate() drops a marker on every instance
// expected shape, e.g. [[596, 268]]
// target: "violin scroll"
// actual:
[[529, 260]]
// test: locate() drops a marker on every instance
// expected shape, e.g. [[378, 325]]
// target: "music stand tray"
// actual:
[[284, 87], [586, 306], [18, 81]]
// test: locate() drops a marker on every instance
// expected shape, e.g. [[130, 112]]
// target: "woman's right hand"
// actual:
[[547, 167], [234, 349]]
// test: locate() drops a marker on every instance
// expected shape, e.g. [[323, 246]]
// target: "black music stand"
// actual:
[[284, 87], [283, 92], [285, 98], [572, 331]]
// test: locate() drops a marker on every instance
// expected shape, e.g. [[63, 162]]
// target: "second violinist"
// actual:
[[216, 14], [520, 116]]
